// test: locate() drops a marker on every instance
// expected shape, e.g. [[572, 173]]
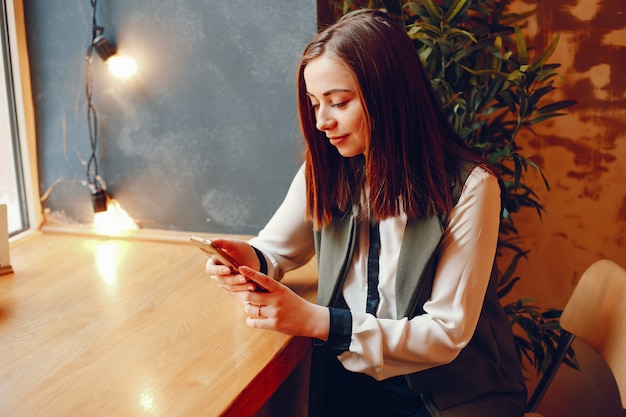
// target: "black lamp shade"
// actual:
[[104, 47], [100, 200]]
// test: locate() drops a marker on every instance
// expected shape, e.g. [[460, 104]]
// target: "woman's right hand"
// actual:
[[243, 254]]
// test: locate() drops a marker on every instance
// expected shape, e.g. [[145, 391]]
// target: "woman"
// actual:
[[403, 220]]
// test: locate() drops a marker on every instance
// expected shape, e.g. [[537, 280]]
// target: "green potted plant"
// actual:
[[492, 87]]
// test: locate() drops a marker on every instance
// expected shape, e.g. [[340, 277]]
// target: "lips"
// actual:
[[336, 140]]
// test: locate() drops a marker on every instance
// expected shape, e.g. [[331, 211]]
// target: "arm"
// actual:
[[385, 347]]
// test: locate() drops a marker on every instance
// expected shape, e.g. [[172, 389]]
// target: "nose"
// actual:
[[323, 120]]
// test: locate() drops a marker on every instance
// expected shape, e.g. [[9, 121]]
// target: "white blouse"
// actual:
[[385, 346]]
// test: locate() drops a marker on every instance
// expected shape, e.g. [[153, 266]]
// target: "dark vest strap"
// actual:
[[372, 270]]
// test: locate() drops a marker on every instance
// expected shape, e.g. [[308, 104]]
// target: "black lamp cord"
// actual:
[[94, 181]]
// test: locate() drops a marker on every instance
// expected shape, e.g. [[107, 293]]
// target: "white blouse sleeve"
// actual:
[[384, 348], [287, 239]]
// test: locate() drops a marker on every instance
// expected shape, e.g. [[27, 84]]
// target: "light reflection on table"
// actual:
[[105, 327]]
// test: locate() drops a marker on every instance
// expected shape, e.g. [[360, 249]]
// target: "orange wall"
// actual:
[[583, 156]]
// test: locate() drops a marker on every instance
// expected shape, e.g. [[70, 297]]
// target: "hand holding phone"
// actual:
[[210, 249]]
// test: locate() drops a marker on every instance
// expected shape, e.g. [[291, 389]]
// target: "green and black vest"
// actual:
[[485, 379]]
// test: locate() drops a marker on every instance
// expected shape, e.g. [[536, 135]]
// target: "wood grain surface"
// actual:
[[108, 327]]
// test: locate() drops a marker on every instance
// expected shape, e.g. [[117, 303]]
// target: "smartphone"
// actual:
[[207, 246]]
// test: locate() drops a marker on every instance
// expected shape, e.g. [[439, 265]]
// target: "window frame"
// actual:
[[24, 116]]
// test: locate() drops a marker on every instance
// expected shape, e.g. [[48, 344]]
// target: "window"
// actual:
[[13, 191]]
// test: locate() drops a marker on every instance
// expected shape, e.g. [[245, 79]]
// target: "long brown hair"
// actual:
[[413, 153]]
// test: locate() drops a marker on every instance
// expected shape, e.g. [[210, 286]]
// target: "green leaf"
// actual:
[[518, 170], [559, 105], [546, 74], [540, 92], [544, 117], [432, 10], [507, 275], [551, 314], [509, 99], [503, 291], [453, 32], [522, 51], [513, 18], [454, 9], [485, 72], [547, 53], [536, 168], [516, 76], [424, 27]]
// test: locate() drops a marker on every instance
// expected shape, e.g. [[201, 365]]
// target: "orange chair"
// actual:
[[596, 314]]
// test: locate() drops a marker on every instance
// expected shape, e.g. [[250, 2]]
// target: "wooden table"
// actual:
[[116, 328]]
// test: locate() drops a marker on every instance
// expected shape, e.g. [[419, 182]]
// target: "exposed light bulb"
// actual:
[[121, 66], [115, 221]]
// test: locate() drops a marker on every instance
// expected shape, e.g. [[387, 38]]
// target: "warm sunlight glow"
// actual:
[[108, 256], [121, 66], [146, 400], [113, 222]]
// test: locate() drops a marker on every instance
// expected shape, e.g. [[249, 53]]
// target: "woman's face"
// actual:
[[335, 99]]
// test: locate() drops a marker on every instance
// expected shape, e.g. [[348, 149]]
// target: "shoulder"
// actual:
[[480, 176], [480, 183]]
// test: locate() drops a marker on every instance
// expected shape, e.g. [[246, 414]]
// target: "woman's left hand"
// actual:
[[281, 309]]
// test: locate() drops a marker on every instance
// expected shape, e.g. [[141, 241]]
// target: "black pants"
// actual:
[[336, 392]]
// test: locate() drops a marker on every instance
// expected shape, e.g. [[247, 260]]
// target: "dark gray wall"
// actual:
[[204, 138]]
